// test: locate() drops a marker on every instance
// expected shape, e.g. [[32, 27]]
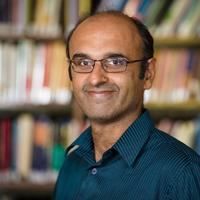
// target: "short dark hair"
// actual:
[[148, 43]]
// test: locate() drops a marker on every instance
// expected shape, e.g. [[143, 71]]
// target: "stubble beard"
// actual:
[[108, 115], [106, 112]]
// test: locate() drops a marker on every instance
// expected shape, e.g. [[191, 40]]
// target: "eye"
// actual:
[[116, 61], [83, 62]]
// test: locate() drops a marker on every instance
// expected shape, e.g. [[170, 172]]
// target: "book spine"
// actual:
[[24, 142], [72, 15], [111, 5], [173, 82], [5, 140], [84, 8]]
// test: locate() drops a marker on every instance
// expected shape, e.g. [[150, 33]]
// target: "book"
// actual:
[[60, 139], [23, 70], [10, 71], [30, 75], [59, 81], [5, 143], [162, 11], [111, 5], [172, 18], [142, 9], [24, 144], [190, 21], [19, 15], [37, 95], [177, 76], [46, 19], [42, 142], [131, 7], [4, 11], [84, 8], [71, 15], [155, 12]]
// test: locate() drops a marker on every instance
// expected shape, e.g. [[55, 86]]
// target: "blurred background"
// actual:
[[38, 117]]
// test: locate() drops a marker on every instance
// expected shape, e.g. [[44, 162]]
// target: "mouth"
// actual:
[[101, 93]]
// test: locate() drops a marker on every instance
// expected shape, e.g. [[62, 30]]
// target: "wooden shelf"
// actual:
[[177, 42], [173, 41], [54, 109], [27, 187], [177, 110], [41, 38], [11, 36]]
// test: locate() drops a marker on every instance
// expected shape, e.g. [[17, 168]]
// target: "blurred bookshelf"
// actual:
[[177, 42], [175, 111], [35, 96], [27, 190], [47, 109]]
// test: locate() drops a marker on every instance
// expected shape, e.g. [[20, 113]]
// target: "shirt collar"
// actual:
[[84, 146], [131, 142], [128, 146]]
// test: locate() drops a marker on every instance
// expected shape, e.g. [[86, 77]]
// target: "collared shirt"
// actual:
[[144, 164]]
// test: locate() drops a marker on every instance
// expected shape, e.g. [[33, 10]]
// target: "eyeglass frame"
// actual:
[[102, 64]]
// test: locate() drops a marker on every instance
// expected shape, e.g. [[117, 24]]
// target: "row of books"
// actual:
[[37, 73], [33, 73], [49, 18], [177, 78], [32, 148], [165, 18], [41, 18]]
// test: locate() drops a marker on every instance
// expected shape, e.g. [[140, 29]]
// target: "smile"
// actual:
[[100, 94]]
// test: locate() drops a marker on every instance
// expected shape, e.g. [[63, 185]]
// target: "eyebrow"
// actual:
[[81, 55], [112, 55], [107, 55]]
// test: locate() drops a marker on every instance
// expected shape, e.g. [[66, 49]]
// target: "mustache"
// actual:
[[100, 87]]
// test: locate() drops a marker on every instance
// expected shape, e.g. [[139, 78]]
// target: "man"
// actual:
[[122, 156]]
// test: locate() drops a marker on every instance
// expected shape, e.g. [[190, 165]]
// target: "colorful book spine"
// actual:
[[34, 73], [5, 144], [111, 5], [176, 77], [84, 8], [23, 144]]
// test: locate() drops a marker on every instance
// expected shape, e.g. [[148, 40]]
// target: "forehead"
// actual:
[[106, 32]]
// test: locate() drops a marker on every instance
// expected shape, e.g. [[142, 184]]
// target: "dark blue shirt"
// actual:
[[144, 164]]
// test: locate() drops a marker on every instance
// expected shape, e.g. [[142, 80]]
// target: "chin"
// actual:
[[103, 118]]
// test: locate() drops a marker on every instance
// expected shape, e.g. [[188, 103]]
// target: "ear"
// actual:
[[70, 72], [150, 73]]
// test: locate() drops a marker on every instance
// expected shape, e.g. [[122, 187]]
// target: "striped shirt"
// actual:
[[144, 164]]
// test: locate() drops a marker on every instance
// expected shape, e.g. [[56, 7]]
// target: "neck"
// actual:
[[105, 135]]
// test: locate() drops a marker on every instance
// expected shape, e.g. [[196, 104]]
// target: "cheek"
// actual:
[[133, 86], [76, 85], [125, 84]]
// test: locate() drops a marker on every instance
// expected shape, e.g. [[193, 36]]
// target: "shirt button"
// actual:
[[94, 171]]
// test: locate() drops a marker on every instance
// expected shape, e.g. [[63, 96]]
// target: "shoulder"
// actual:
[[179, 166], [176, 155]]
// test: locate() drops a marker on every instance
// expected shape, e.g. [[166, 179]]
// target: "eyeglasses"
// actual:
[[112, 65]]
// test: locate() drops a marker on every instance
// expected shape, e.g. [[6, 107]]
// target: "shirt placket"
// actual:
[[89, 187]]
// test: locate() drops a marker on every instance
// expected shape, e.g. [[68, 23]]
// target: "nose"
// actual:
[[98, 75]]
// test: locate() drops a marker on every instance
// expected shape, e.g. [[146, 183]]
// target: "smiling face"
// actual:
[[106, 97]]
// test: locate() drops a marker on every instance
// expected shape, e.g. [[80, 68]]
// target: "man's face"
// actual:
[[103, 96]]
